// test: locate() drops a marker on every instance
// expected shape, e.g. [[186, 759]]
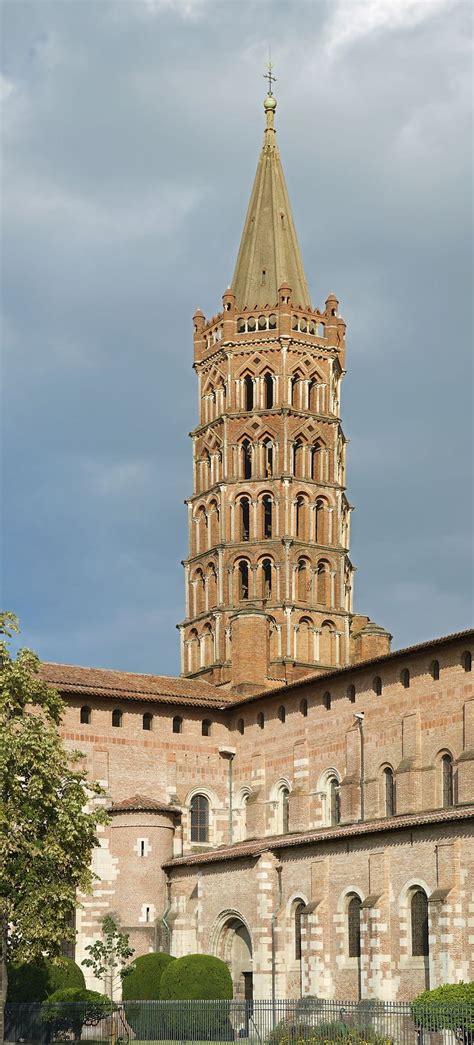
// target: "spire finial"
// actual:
[[269, 76]]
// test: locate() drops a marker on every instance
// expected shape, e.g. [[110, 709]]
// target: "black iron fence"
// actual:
[[307, 1021]]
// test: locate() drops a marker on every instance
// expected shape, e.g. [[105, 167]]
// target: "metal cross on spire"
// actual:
[[270, 77]]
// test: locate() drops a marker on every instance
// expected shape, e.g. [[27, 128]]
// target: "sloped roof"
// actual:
[[269, 253], [101, 682], [141, 804], [325, 834]]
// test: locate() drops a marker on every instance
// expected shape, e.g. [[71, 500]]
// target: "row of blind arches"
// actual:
[[249, 324], [305, 393]]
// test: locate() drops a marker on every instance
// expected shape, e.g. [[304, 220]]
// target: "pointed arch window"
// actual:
[[267, 578], [267, 516], [268, 447], [268, 390], [199, 818], [447, 781], [243, 580], [248, 392], [247, 455], [299, 909], [298, 451], [419, 924]]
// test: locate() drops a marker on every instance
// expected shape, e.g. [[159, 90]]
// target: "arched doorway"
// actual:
[[234, 946]]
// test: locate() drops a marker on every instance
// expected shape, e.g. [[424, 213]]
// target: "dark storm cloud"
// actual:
[[130, 137]]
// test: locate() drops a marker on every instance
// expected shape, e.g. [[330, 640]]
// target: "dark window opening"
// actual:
[[353, 927], [260, 720], [298, 916], [240, 726], [405, 678], [351, 694], [147, 720], [245, 518], [248, 392], [285, 809], [85, 716], [243, 580], [377, 686], [267, 517], [116, 717], [389, 785], [434, 670], [247, 450], [268, 458], [304, 707], [447, 781], [199, 819], [177, 724], [282, 713], [467, 661], [267, 578], [206, 727], [268, 389], [419, 924], [327, 701], [334, 802]]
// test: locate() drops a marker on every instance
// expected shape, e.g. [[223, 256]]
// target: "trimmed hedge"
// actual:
[[143, 982], [196, 976], [35, 981], [439, 1009], [70, 1008]]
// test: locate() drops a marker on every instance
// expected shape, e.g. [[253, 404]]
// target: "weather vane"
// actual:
[[270, 77]]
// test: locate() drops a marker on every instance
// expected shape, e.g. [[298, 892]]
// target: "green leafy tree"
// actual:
[[108, 956], [47, 831]]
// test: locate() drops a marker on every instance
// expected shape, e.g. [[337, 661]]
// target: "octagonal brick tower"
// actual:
[[268, 575]]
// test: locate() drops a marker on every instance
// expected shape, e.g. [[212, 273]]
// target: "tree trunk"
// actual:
[[3, 971]]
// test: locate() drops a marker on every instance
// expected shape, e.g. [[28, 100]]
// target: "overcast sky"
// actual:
[[131, 132]]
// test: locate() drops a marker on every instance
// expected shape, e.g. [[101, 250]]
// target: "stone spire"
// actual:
[[269, 253]]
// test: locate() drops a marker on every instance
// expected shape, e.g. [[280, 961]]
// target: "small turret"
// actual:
[[199, 322], [284, 308], [228, 302]]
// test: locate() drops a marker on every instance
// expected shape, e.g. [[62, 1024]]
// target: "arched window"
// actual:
[[447, 781], [267, 578], [244, 518], [293, 385], [85, 716], [299, 908], [282, 713], [267, 516], [240, 726], [147, 721], [260, 720], [199, 818], [405, 678], [243, 580], [389, 791], [248, 392], [268, 390], [304, 707], [284, 810], [298, 452], [302, 582], [466, 661], [351, 694], [116, 717], [419, 923], [327, 700], [247, 454], [377, 686], [177, 724], [353, 926], [313, 395], [206, 727], [320, 520], [334, 801], [300, 517], [315, 461], [434, 670]]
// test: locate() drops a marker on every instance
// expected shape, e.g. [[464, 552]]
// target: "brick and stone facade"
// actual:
[[300, 801]]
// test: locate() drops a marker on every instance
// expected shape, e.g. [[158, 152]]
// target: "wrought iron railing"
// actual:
[[307, 1021]]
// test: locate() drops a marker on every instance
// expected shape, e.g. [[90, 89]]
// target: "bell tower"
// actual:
[[268, 573]]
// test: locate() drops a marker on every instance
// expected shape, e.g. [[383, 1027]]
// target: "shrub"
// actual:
[[296, 1033], [70, 1008], [35, 981], [196, 976], [442, 1009], [142, 983], [202, 978]]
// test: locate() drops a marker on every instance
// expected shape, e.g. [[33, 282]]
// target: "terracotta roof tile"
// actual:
[[141, 804], [101, 682], [326, 834]]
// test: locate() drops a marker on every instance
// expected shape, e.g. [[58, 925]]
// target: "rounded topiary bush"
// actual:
[[205, 980], [69, 1009], [35, 981], [449, 1007], [142, 984], [196, 976]]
